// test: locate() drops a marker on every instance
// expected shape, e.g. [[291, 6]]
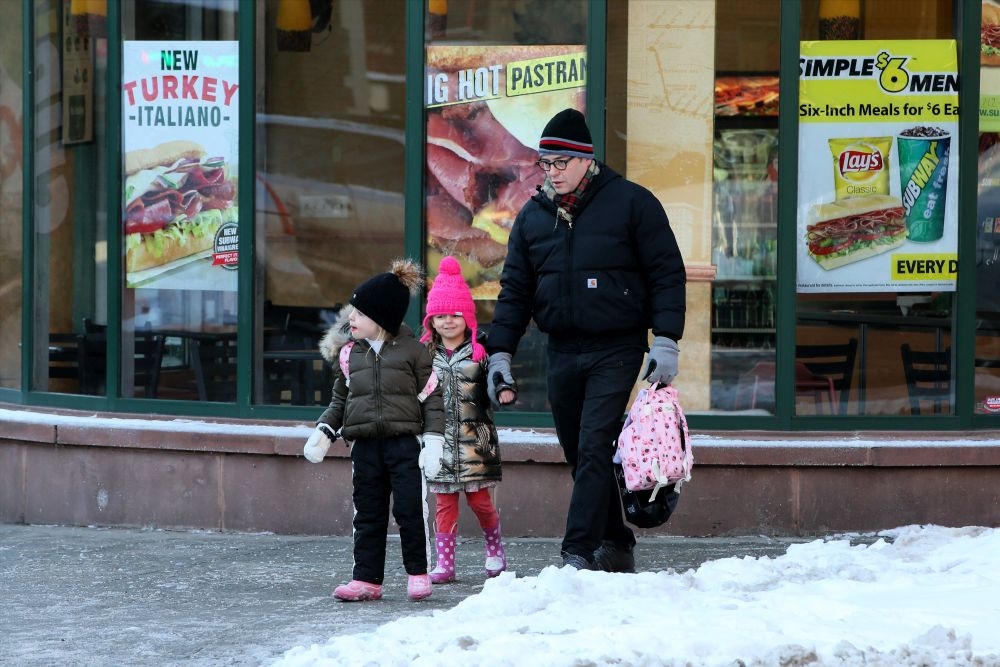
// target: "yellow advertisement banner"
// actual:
[[924, 266], [901, 80], [545, 74]]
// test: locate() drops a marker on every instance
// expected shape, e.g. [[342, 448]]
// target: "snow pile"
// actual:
[[919, 595]]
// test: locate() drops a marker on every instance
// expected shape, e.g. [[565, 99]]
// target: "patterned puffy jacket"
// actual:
[[471, 447]]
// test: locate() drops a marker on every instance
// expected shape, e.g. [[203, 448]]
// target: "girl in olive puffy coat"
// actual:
[[387, 399], [470, 463]]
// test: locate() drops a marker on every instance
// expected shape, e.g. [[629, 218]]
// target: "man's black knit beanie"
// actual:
[[567, 134]]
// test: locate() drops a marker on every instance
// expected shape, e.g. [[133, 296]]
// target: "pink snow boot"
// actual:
[[496, 560], [418, 587], [444, 571]]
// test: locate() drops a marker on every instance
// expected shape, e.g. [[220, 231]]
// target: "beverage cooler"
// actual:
[[744, 235]]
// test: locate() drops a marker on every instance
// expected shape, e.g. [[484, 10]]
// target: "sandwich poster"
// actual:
[[486, 109], [180, 136], [878, 166], [989, 73]]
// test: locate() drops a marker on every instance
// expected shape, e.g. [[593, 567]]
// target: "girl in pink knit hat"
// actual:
[[470, 460]]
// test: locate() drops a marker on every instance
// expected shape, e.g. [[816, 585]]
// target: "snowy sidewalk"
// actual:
[[94, 596]]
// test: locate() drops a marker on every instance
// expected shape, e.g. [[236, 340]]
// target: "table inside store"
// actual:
[[297, 376], [209, 353]]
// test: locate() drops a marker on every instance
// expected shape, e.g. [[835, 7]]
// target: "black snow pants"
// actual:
[[382, 468]]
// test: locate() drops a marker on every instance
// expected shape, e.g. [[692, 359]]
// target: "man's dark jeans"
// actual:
[[589, 391]]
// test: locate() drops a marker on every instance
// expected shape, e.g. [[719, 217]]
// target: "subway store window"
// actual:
[[178, 191], [877, 231], [179, 212], [877, 217], [11, 198], [330, 177], [744, 222], [482, 136], [987, 349], [68, 216], [328, 197]]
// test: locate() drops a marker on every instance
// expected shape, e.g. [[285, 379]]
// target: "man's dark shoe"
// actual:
[[611, 557], [576, 562]]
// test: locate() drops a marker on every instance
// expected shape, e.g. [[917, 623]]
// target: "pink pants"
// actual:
[[446, 510]]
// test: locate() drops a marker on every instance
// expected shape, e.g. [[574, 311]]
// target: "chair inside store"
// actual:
[[822, 372], [148, 359], [65, 359], [215, 368], [928, 378], [826, 371]]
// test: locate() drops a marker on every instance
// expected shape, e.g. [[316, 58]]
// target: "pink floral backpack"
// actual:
[[654, 448]]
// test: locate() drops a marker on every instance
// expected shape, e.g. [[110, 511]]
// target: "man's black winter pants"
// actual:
[[589, 391]]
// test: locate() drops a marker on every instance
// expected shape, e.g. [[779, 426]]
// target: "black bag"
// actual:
[[639, 510]]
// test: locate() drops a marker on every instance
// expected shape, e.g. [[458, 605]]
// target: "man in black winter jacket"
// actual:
[[593, 260]]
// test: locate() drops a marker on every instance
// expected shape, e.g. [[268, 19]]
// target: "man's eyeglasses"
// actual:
[[559, 164]]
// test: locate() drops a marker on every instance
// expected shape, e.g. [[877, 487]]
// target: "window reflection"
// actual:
[[482, 147], [330, 178], [987, 359], [902, 364], [69, 213], [11, 198]]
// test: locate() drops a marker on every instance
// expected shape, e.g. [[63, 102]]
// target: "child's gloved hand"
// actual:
[[430, 454], [319, 443]]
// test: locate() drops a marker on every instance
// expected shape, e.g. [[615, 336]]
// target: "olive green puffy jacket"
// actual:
[[382, 399]]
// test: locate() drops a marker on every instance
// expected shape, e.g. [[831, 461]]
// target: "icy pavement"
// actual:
[[101, 596]]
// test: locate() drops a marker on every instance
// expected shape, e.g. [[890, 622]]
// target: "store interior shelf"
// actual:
[[744, 279], [732, 330]]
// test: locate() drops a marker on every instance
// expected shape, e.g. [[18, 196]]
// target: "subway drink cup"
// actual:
[[923, 178]]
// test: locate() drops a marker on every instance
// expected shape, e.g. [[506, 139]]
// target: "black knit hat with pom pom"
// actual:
[[385, 297]]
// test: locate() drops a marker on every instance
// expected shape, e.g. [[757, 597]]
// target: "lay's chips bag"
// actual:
[[861, 166]]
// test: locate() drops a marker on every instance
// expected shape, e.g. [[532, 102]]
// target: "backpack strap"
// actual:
[[344, 358], [432, 383]]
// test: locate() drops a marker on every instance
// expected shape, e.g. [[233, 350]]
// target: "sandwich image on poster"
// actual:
[[486, 109], [989, 35], [177, 200], [846, 231]]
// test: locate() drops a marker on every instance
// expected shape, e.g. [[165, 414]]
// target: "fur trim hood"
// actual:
[[339, 335], [336, 337]]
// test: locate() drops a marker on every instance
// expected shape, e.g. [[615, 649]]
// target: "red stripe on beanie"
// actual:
[[556, 144]]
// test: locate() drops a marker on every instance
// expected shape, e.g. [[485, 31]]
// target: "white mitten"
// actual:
[[319, 443], [430, 454]]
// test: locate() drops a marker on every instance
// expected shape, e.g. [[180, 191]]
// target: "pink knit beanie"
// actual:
[[450, 295]]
